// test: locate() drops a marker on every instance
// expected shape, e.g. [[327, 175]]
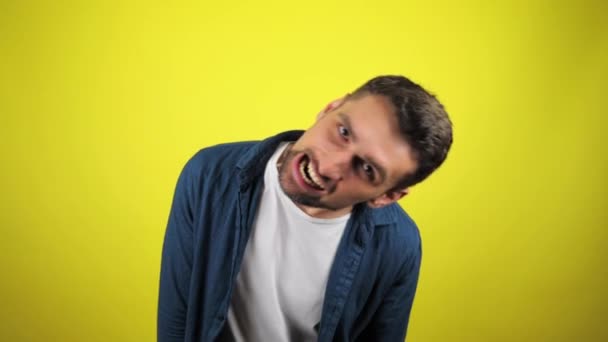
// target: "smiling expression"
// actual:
[[353, 153]]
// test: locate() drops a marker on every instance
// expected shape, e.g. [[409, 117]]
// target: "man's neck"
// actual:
[[323, 213]]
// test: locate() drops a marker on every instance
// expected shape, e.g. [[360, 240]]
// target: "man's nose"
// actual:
[[334, 166]]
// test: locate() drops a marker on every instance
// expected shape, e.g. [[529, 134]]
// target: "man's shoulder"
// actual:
[[393, 215], [240, 153], [221, 155], [224, 151], [395, 226]]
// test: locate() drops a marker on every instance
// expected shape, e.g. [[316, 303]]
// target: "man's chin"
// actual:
[[312, 202], [304, 199], [299, 198], [308, 201], [291, 189]]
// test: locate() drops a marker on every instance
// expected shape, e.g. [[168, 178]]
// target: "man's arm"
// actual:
[[390, 321], [176, 265]]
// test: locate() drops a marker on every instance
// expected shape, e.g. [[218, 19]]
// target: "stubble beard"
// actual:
[[289, 186]]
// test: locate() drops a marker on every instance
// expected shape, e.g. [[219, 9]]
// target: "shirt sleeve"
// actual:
[[391, 320], [176, 264]]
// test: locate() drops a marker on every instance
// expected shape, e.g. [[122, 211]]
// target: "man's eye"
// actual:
[[369, 170], [343, 131]]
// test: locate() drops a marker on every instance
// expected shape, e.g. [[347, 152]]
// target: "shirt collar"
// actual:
[[253, 163]]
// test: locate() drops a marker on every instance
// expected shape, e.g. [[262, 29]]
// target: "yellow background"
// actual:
[[102, 102]]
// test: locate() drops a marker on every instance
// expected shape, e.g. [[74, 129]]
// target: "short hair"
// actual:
[[423, 122]]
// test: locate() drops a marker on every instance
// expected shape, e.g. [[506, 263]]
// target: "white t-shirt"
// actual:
[[279, 291]]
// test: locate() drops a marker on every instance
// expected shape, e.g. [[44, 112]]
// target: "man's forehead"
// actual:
[[378, 139], [369, 104]]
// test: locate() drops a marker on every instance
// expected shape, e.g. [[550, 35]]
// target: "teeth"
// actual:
[[314, 178], [313, 175], [308, 181]]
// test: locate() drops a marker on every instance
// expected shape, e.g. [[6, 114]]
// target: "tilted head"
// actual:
[[369, 146], [423, 122]]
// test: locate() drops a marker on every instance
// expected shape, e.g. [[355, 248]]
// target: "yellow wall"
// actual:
[[102, 102]]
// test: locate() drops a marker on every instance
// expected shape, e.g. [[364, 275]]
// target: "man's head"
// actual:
[[369, 146]]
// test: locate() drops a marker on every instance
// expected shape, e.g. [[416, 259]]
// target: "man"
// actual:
[[299, 237]]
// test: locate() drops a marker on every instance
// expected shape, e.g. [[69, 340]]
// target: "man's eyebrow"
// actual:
[[346, 120], [381, 171]]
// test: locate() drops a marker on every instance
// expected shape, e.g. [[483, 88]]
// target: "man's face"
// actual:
[[354, 153]]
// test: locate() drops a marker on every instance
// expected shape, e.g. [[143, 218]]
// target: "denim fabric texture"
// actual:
[[371, 284]]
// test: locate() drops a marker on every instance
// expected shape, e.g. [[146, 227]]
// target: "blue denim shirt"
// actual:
[[371, 284]]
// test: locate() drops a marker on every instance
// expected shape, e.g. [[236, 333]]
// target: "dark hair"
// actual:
[[423, 122]]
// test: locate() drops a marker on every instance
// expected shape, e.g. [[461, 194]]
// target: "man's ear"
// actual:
[[331, 106], [387, 198]]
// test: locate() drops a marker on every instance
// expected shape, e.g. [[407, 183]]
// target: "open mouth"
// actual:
[[309, 174]]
